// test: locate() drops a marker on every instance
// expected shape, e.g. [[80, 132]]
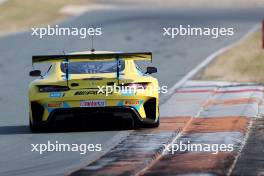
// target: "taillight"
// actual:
[[52, 88], [137, 85]]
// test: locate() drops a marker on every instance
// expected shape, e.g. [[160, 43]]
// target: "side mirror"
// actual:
[[151, 70], [35, 73]]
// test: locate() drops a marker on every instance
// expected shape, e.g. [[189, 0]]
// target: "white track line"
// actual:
[[207, 61]]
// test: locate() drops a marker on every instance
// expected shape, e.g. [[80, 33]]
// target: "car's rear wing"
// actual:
[[66, 58], [93, 56]]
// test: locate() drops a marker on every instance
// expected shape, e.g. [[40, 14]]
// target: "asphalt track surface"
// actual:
[[123, 30]]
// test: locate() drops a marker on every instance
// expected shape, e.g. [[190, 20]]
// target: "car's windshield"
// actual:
[[93, 67]]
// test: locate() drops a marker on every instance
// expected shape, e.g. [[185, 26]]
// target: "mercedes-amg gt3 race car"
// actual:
[[91, 85]]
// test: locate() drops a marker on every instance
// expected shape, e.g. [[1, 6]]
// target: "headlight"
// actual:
[[52, 88]]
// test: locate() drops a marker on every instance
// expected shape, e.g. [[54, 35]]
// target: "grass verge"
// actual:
[[17, 15], [243, 63]]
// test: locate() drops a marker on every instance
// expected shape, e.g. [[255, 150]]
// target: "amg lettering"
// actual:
[[90, 92]]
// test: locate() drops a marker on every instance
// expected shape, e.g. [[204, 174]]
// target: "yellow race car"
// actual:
[[93, 85]]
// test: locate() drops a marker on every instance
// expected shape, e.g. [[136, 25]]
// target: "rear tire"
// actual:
[[156, 124], [32, 127], [149, 125], [36, 128]]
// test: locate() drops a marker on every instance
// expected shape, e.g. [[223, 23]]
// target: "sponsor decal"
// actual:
[[55, 105], [55, 94], [131, 102], [91, 92], [126, 93], [93, 103]]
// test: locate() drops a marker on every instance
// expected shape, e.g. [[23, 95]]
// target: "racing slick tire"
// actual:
[[155, 125], [33, 128], [36, 127], [149, 125]]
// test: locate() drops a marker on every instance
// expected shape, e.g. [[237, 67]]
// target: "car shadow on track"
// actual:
[[71, 126], [24, 129], [16, 129], [90, 127]]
